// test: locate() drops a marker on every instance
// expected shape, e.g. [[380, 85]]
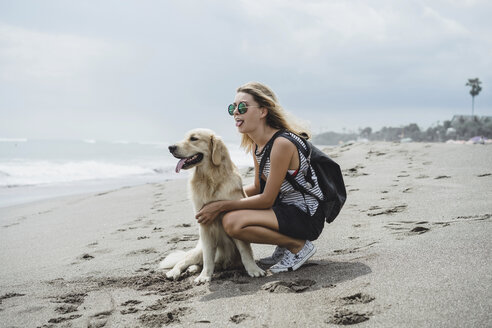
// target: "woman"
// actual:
[[276, 214]]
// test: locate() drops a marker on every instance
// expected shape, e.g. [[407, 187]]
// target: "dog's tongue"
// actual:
[[180, 164]]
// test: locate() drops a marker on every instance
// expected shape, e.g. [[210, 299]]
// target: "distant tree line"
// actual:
[[460, 129]]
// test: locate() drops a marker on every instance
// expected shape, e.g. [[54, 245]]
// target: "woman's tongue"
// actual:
[[239, 123]]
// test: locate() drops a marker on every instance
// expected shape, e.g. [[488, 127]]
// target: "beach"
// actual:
[[410, 248]]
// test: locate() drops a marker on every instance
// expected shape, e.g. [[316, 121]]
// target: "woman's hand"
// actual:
[[209, 212]]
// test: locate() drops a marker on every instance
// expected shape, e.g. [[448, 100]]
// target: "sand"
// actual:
[[411, 248]]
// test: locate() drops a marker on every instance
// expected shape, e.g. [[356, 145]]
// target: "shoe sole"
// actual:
[[268, 262], [298, 265]]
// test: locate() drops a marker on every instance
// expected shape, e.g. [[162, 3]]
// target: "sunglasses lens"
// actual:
[[231, 109], [242, 108]]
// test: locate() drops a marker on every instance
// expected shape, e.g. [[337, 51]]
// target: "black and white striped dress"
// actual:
[[290, 196]]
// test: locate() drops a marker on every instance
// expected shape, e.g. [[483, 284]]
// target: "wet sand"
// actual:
[[411, 248]]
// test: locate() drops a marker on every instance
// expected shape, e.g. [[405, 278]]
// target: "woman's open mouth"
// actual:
[[239, 122]]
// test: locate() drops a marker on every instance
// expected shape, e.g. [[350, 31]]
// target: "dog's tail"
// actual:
[[171, 260]]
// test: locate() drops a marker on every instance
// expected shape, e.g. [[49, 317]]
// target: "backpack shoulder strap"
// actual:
[[297, 186], [306, 151]]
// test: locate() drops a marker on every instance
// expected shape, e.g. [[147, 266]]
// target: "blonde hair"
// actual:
[[276, 118]]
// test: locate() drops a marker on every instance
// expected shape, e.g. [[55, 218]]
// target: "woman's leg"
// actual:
[[259, 226]]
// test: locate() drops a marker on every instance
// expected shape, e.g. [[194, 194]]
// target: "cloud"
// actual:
[[316, 35], [334, 60], [28, 54], [384, 52]]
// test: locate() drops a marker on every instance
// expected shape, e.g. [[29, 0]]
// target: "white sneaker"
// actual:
[[277, 255], [292, 262]]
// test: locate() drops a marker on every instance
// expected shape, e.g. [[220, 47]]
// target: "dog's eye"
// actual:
[[193, 139]]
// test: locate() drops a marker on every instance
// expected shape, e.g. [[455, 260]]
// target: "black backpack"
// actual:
[[327, 171]]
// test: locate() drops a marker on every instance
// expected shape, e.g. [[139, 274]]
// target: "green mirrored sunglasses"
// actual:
[[242, 108]]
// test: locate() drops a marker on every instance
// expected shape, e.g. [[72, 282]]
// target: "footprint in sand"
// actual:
[[170, 299], [412, 228], [131, 302], [294, 286], [86, 257], [18, 220], [73, 301], [343, 315], [408, 228], [354, 172], [183, 225], [9, 295], [236, 276], [484, 175], [129, 310], [478, 217], [392, 210], [160, 304], [10, 225], [419, 230], [161, 319], [185, 237], [64, 309], [358, 298], [62, 319], [99, 319], [72, 298], [238, 318], [142, 251], [354, 249], [143, 269], [375, 153], [442, 177]]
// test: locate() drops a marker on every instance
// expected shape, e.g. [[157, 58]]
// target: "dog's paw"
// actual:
[[201, 279], [173, 274], [255, 271], [192, 269]]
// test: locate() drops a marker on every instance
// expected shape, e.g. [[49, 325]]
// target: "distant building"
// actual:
[[457, 119]]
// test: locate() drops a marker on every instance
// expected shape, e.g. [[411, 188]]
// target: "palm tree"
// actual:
[[475, 90]]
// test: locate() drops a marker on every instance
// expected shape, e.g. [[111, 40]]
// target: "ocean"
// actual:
[[32, 170]]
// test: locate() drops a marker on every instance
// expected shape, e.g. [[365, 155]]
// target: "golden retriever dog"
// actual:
[[214, 177]]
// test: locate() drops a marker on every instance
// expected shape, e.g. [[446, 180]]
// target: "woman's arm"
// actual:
[[251, 190], [280, 157]]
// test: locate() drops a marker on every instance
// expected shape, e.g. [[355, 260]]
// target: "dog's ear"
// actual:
[[217, 146]]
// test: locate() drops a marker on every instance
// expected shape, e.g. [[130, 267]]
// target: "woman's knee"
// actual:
[[230, 222]]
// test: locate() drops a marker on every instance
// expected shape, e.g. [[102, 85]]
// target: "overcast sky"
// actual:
[[151, 70]]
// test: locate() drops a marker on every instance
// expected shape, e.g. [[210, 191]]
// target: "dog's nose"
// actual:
[[172, 148]]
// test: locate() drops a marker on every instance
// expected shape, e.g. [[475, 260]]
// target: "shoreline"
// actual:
[[411, 247], [25, 194]]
